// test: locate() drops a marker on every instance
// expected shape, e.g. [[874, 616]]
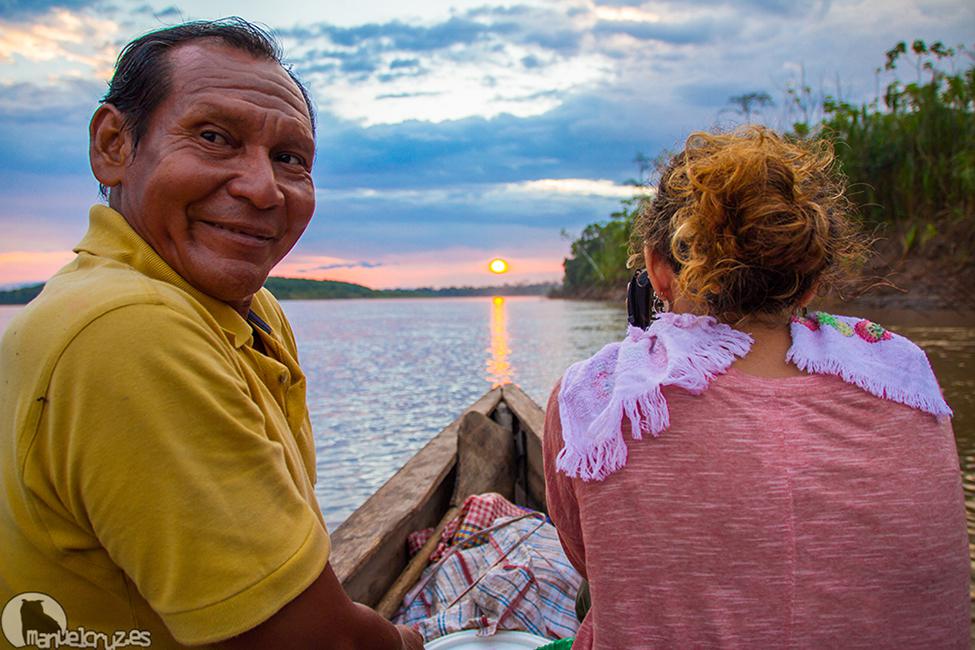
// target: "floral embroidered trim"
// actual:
[[867, 330], [871, 332]]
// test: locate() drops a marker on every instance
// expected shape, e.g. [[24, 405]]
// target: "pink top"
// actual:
[[788, 513]]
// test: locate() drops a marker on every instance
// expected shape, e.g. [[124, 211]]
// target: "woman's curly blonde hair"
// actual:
[[751, 222]]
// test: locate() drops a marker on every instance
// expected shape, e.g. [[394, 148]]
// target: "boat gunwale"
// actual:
[[369, 548], [396, 509]]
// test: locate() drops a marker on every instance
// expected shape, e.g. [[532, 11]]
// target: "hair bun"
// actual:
[[751, 220]]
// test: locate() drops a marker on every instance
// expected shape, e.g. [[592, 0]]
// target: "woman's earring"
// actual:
[[659, 306]]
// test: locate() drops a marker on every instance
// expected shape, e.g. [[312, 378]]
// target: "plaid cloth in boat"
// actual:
[[533, 589], [477, 513]]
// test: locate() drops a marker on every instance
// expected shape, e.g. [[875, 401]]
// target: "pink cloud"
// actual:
[[31, 266]]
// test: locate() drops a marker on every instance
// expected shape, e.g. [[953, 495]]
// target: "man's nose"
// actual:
[[256, 182]]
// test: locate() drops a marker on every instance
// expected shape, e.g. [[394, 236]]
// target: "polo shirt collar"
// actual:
[[110, 235]]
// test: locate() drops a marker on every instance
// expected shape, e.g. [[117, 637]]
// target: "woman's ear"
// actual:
[[808, 296], [109, 145], [662, 276]]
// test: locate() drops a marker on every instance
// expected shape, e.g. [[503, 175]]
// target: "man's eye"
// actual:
[[290, 159], [214, 137]]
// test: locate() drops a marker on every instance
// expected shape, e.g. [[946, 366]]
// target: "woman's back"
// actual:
[[775, 509], [789, 512]]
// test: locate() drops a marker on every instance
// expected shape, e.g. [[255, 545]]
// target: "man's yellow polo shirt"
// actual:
[[157, 471]]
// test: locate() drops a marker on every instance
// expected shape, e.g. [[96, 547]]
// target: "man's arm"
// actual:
[[153, 443], [323, 616]]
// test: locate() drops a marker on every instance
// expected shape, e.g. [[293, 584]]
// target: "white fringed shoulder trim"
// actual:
[[625, 379]]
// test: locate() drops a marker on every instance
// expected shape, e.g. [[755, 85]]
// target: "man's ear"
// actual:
[[109, 145]]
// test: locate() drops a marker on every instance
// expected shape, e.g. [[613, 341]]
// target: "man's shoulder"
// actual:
[[85, 294], [82, 292]]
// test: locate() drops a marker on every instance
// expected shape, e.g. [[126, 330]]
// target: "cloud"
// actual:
[[619, 3], [171, 12], [588, 136], [523, 60], [45, 128], [575, 187], [21, 9], [23, 101], [27, 266], [73, 44], [397, 64], [780, 8], [380, 227], [700, 30], [412, 38], [46, 211], [522, 24], [344, 265], [406, 95], [483, 62], [787, 7]]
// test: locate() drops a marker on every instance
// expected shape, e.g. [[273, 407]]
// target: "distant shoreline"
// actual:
[[302, 289]]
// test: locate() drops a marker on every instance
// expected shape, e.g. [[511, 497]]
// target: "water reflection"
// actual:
[[499, 369], [384, 376]]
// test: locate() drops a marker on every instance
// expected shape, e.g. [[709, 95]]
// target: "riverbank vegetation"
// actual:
[[21, 295], [909, 157], [302, 289]]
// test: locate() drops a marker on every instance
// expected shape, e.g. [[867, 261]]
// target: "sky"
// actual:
[[450, 132]]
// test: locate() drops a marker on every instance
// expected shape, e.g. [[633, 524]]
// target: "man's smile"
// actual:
[[247, 235]]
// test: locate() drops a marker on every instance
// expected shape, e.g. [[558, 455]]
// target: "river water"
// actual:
[[384, 376]]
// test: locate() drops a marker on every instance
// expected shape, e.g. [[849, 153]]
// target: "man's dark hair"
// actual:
[[142, 72]]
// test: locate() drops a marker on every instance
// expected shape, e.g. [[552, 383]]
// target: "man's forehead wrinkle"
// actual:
[[256, 95], [194, 68], [204, 80], [214, 95]]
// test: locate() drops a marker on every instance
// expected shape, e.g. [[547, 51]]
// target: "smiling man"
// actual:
[[156, 455]]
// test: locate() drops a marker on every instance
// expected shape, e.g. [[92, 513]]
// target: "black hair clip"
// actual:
[[639, 298]]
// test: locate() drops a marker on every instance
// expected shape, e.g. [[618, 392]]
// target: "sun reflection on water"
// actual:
[[498, 367]]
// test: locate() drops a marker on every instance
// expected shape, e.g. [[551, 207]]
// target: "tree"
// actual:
[[749, 103]]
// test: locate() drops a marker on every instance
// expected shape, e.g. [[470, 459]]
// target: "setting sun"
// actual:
[[498, 265]]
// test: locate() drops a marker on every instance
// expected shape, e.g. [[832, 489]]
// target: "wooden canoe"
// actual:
[[500, 450]]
